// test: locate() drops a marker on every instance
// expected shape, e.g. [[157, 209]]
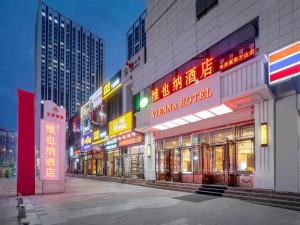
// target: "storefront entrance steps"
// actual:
[[175, 186], [260, 196]]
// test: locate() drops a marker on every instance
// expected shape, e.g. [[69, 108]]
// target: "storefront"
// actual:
[[219, 156], [132, 155], [211, 120]]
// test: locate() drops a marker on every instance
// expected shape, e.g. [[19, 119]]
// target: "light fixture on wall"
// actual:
[[264, 134], [148, 150]]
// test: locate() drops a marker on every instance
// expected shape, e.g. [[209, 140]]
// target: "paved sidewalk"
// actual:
[[97, 202], [8, 202]]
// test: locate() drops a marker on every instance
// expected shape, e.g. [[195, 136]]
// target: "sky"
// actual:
[[110, 19]]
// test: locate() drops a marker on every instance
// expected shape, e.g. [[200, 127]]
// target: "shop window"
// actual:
[[186, 160], [245, 156], [196, 160], [171, 143], [159, 144], [223, 135], [186, 141], [247, 132]]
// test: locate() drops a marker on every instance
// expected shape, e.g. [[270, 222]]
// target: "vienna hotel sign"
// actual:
[[183, 102], [197, 97]]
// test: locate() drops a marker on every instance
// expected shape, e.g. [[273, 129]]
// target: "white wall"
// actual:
[[287, 146], [264, 156]]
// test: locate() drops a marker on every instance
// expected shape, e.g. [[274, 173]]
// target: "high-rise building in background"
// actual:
[[7, 146], [136, 36], [68, 60]]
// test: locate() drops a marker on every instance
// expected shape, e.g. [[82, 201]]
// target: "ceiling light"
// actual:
[[191, 118], [222, 109], [160, 127], [133, 133], [205, 114], [170, 124], [179, 121]]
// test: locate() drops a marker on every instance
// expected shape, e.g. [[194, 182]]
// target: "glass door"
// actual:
[[219, 164]]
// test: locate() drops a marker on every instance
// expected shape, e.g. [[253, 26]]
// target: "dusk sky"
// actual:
[[110, 19]]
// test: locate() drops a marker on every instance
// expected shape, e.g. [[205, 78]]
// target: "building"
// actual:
[[136, 37], [68, 60], [207, 108], [7, 146]]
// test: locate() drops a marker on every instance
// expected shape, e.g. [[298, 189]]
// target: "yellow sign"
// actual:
[[106, 88], [111, 86], [121, 125]]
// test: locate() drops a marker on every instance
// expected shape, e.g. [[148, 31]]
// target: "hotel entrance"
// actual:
[[222, 157], [218, 164]]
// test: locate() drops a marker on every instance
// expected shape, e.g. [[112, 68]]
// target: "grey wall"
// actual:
[[287, 147]]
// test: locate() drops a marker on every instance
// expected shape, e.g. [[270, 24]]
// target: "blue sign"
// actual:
[[86, 142]]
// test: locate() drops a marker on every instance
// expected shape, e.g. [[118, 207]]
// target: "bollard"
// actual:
[[21, 212]]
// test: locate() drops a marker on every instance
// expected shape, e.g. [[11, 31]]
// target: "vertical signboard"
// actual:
[[53, 148], [26, 173], [49, 156]]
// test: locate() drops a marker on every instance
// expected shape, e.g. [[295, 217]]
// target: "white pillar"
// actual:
[[264, 175], [149, 165]]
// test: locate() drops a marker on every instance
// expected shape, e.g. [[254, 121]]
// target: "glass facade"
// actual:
[[136, 36], [69, 60], [221, 156]]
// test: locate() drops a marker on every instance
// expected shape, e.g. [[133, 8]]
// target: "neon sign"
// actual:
[[200, 67], [49, 150], [183, 102], [86, 142], [111, 86]]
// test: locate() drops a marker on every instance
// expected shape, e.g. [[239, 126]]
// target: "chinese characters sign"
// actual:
[[199, 68], [196, 98], [50, 145], [121, 125], [86, 142]]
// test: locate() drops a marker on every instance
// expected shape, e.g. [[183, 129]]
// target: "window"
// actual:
[[245, 156], [186, 160], [203, 6]]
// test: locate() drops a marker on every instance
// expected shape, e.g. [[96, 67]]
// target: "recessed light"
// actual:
[[222, 109], [191, 118], [180, 121], [160, 127], [170, 125], [205, 114]]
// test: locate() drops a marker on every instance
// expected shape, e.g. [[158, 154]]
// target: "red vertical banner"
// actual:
[[26, 168]]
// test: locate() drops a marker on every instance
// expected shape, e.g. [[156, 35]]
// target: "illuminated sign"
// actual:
[[50, 145], [86, 142], [200, 67], [187, 102], [144, 102], [183, 102], [121, 125], [85, 110], [131, 140], [96, 99], [111, 86], [284, 64], [99, 136]]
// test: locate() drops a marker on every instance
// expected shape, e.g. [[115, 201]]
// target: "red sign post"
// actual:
[[26, 175]]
